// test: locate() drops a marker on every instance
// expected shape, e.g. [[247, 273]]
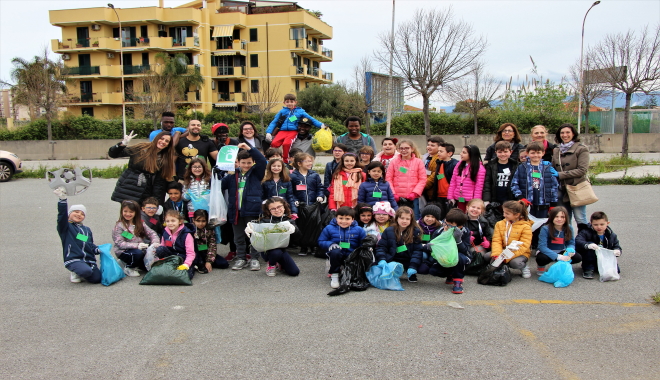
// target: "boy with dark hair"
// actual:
[[175, 200], [339, 239], [597, 235], [443, 172], [431, 163], [497, 186], [150, 216], [273, 153]]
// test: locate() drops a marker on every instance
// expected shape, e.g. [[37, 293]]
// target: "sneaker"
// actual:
[[334, 280], [303, 251], [526, 273], [458, 287], [201, 269], [239, 264], [230, 256], [588, 274], [327, 267], [75, 278], [131, 272], [254, 265], [270, 271], [412, 278], [540, 270], [449, 281]]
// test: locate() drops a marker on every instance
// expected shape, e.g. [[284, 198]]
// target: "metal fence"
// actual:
[[641, 121]]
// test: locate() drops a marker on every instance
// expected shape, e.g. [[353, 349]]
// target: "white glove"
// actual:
[[143, 245], [323, 126], [333, 247], [320, 199], [593, 246], [128, 138], [617, 253], [269, 137], [512, 247], [60, 192], [160, 210], [155, 245], [296, 203], [248, 230], [563, 258]]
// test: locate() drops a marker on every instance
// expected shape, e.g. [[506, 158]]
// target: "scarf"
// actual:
[[354, 180], [565, 147]]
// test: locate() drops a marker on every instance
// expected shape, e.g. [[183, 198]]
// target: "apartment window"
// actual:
[[143, 31], [237, 34], [253, 35], [237, 86], [145, 59], [297, 85], [254, 86], [297, 33], [254, 60], [87, 111]]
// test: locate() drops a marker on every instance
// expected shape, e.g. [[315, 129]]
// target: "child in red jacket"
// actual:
[[346, 181]]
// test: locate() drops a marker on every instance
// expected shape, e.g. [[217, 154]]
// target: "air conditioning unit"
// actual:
[[161, 28], [96, 27], [66, 57], [294, 55], [111, 55]]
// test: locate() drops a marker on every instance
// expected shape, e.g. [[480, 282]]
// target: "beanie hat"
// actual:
[[432, 210], [383, 208], [77, 208], [220, 128]]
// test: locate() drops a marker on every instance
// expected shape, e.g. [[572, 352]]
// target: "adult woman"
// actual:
[[571, 160], [407, 175], [507, 132], [150, 167], [365, 156], [249, 136], [539, 133], [389, 151]]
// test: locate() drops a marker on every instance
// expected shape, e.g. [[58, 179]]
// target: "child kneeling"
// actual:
[[402, 243], [205, 245], [178, 240], [598, 234], [516, 226], [555, 238]]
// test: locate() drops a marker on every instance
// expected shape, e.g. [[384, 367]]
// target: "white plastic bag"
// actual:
[[607, 265], [262, 240], [538, 222], [150, 257], [217, 204]]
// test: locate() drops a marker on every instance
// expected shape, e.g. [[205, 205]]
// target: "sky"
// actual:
[[548, 31]]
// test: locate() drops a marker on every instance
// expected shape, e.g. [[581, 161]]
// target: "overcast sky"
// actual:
[[549, 31]]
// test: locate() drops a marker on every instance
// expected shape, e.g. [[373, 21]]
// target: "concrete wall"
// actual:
[[95, 149]]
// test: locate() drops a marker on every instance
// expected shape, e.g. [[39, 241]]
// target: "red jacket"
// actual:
[[349, 200]]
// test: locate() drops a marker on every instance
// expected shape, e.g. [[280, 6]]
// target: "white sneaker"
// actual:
[[254, 265], [75, 278], [334, 280], [271, 271], [526, 273], [130, 272]]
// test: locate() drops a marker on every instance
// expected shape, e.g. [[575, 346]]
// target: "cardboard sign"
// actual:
[[153, 220], [282, 191], [403, 170], [293, 118], [426, 237], [536, 175], [227, 158], [558, 240], [461, 199], [168, 243], [440, 176], [202, 247], [127, 235], [241, 184]]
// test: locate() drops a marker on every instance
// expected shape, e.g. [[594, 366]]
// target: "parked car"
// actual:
[[9, 164]]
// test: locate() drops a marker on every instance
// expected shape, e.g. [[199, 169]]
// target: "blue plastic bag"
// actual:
[[386, 277], [200, 202], [560, 274], [111, 272]]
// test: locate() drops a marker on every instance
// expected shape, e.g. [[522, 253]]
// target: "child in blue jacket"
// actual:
[[277, 183], [78, 245], [375, 188], [402, 243], [339, 239], [555, 239], [307, 186]]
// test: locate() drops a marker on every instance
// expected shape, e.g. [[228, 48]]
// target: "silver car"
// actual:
[[9, 164]]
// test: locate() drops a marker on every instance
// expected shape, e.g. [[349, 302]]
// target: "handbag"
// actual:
[[581, 194]]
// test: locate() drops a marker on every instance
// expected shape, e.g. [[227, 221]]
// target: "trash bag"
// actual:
[[150, 257], [309, 224], [498, 276], [322, 140], [493, 213], [200, 202], [111, 271], [444, 249], [164, 272], [217, 205], [538, 222], [265, 236], [386, 277], [353, 275], [327, 217], [405, 202], [477, 264], [560, 274], [607, 265]]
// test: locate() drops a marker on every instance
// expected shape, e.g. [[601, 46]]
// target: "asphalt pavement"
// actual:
[[243, 324]]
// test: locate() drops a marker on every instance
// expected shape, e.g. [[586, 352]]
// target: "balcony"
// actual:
[[309, 49], [230, 99], [132, 70], [84, 70], [327, 76], [94, 98], [327, 52], [232, 48], [231, 72]]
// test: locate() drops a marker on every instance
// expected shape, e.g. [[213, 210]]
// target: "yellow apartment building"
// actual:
[[240, 48]]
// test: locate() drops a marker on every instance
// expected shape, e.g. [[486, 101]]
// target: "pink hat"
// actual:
[[383, 208]]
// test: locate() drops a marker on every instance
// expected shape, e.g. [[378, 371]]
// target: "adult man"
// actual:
[[191, 145], [221, 133], [167, 124], [355, 139], [303, 140]]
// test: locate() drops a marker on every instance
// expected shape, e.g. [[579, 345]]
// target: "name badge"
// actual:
[[282, 190], [557, 240], [428, 172], [241, 184], [461, 199], [536, 175], [440, 176], [293, 118], [82, 237], [426, 237], [127, 235], [301, 187], [202, 247], [345, 244], [191, 214], [377, 194], [153, 221], [401, 248], [403, 170], [168, 243], [506, 171], [344, 182]]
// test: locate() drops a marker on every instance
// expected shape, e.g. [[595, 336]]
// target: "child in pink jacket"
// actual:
[[407, 176], [467, 182], [178, 240]]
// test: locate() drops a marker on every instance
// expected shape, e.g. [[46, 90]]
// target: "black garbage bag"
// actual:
[[498, 276], [309, 224], [476, 266], [405, 202], [493, 213], [327, 217], [353, 275]]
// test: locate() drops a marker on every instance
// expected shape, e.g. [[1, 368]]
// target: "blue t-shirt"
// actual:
[[155, 133]]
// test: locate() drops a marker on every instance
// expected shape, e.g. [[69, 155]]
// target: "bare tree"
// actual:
[[630, 63], [263, 100], [592, 88], [357, 89], [476, 90], [430, 51]]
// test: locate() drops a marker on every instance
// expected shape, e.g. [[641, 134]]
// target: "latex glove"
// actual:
[[382, 263], [563, 258], [60, 192], [291, 229], [155, 245], [294, 216], [411, 272], [458, 235], [526, 202], [332, 247], [471, 239], [269, 137], [143, 245], [182, 267], [512, 247], [248, 230], [617, 253], [128, 138], [486, 243], [320, 199], [397, 198], [296, 203], [412, 196], [160, 210], [97, 251], [451, 201], [323, 126], [593, 246]]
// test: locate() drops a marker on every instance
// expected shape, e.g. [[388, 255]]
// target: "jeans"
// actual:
[[240, 238], [455, 272], [134, 258], [282, 257], [336, 257], [580, 212], [90, 272], [543, 260]]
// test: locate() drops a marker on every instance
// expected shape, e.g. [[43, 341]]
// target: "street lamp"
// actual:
[[121, 63], [582, 73]]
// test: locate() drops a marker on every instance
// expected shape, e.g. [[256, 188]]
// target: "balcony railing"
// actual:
[[327, 52], [313, 71], [300, 70], [312, 46], [84, 70], [140, 69], [234, 71], [82, 42], [223, 96], [178, 41], [327, 76]]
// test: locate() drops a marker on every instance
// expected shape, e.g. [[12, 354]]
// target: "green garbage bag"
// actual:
[[444, 249], [164, 272]]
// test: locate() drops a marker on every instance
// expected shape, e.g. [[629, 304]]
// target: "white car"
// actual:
[[9, 164]]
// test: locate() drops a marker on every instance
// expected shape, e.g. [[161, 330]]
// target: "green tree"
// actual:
[[335, 101]]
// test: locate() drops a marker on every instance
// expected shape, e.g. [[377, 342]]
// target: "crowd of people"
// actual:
[[403, 198]]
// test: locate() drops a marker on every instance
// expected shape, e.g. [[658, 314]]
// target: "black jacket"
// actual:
[[589, 235], [135, 183], [386, 249], [490, 183]]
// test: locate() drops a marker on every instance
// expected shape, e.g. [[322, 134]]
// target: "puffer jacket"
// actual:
[[251, 205], [313, 188], [469, 189], [486, 229], [520, 230], [327, 175], [285, 114], [333, 234], [412, 181], [367, 189], [279, 189], [181, 243], [521, 184], [123, 243], [77, 240], [574, 166], [388, 248], [135, 183], [589, 235], [490, 182], [348, 193]]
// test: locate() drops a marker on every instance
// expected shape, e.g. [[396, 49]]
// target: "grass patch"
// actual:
[[617, 163], [655, 298], [40, 172], [648, 179]]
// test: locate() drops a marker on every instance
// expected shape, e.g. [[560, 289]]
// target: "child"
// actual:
[[277, 183], [276, 210], [389, 151], [307, 186], [150, 217], [468, 178], [244, 200], [196, 183], [346, 181], [366, 155], [497, 186], [383, 216], [431, 164], [401, 243], [598, 234], [205, 245], [407, 176], [455, 219], [175, 201], [286, 121], [481, 232], [516, 226], [131, 238], [77, 242], [429, 222], [273, 153], [338, 151], [365, 214], [178, 240], [555, 238], [339, 239], [375, 188], [443, 174]]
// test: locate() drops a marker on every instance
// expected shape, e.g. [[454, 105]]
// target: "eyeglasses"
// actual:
[[248, 129], [280, 207], [197, 167], [405, 148], [365, 154], [507, 131]]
